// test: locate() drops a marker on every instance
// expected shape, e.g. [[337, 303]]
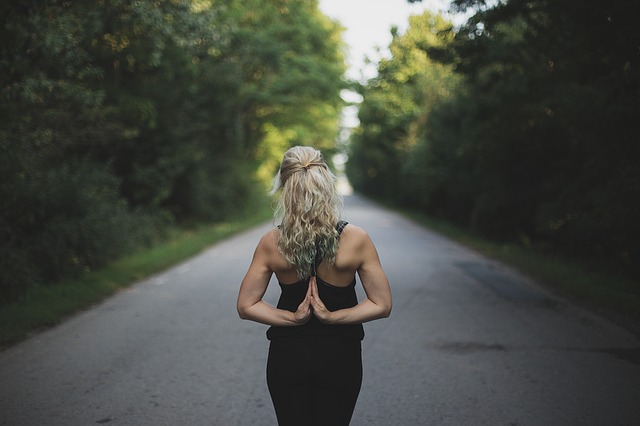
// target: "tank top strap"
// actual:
[[340, 226]]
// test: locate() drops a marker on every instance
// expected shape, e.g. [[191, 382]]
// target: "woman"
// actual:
[[314, 369]]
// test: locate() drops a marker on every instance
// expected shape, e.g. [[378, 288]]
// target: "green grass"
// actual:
[[46, 306], [592, 287]]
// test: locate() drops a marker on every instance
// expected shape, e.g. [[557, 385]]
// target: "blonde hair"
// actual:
[[309, 207]]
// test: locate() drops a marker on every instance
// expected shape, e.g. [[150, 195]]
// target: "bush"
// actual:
[[66, 220]]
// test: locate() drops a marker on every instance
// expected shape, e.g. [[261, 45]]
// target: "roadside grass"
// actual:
[[45, 306], [613, 296]]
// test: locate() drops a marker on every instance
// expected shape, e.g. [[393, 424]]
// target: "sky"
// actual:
[[368, 27]]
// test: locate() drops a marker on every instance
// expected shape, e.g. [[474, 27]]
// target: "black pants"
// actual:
[[314, 381]]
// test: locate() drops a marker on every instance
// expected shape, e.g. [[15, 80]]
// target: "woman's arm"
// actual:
[[254, 285], [376, 286]]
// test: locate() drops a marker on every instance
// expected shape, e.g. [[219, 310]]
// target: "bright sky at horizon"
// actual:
[[368, 27], [367, 33]]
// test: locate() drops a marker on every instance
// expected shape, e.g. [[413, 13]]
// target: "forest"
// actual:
[[119, 118], [520, 125], [122, 118]]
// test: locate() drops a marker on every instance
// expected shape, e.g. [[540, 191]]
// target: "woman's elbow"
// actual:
[[386, 311], [243, 312], [381, 308]]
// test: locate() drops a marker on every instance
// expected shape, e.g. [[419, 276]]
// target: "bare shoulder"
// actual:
[[354, 231], [355, 237], [357, 250], [269, 254], [269, 241]]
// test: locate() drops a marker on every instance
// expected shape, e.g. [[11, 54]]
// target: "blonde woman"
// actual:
[[314, 368]]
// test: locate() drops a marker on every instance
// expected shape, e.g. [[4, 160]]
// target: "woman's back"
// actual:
[[334, 296], [349, 259]]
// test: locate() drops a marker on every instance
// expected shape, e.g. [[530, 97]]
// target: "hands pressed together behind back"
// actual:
[[312, 303]]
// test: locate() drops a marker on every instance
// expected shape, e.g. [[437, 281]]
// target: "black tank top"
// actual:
[[332, 296]]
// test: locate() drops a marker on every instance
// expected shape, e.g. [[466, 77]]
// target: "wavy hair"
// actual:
[[309, 207]]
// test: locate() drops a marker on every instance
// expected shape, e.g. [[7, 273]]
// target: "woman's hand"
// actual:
[[319, 309], [303, 313]]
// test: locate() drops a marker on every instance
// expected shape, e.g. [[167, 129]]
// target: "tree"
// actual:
[[559, 83], [538, 140], [396, 104], [120, 117]]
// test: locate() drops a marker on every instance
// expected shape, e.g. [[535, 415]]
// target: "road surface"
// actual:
[[469, 342]]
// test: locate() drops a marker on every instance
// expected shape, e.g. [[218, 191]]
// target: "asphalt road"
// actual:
[[469, 343]]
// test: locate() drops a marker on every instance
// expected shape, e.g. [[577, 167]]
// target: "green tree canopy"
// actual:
[[537, 135], [121, 116]]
